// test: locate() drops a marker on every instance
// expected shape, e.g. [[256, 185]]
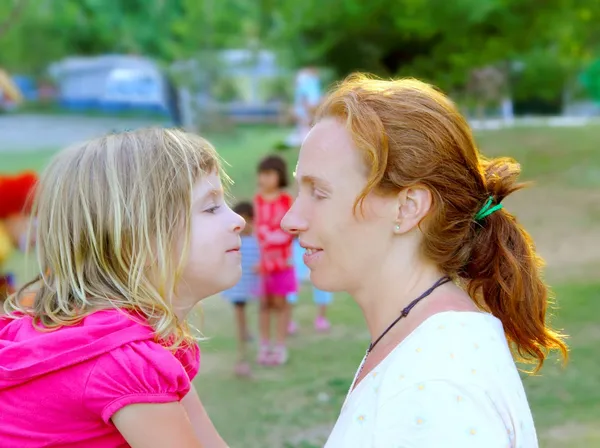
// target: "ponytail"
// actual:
[[503, 274]]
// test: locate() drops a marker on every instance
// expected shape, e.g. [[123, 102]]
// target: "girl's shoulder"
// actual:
[[147, 366], [140, 372], [112, 343], [138, 343]]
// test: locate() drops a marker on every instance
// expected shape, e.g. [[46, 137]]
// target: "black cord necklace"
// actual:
[[404, 313]]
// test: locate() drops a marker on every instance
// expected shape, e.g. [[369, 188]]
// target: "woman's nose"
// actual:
[[293, 223]]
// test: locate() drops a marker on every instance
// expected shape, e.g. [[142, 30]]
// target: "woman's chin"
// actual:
[[325, 282]]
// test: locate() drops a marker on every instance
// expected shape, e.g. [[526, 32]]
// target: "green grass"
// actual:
[[296, 405], [13, 162], [568, 156]]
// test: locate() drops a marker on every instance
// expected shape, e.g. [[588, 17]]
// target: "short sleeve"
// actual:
[[440, 414], [139, 372]]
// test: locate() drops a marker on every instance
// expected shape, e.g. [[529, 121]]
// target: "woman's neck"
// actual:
[[384, 295]]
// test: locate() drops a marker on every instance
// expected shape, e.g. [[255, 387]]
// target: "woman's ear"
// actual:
[[413, 204]]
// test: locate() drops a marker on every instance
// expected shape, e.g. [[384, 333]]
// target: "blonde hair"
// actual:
[[109, 215]]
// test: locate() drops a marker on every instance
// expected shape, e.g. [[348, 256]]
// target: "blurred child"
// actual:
[[321, 298], [15, 192], [276, 266], [132, 232], [248, 286]]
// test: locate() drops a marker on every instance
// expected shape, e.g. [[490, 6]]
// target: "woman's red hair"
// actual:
[[412, 134]]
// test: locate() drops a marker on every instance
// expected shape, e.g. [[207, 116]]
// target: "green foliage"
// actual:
[[279, 88], [437, 40], [590, 79], [225, 89], [432, 39], [542, 73]]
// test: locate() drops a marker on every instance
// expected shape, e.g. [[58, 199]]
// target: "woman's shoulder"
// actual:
[[454, 345], [450, 326]]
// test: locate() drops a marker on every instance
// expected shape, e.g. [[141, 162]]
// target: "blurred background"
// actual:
[[526, 73]]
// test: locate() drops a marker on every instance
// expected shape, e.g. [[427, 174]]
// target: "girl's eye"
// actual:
[[213, 209]]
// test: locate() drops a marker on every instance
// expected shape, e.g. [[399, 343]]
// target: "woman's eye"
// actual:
[[213, 209], [318, 194]]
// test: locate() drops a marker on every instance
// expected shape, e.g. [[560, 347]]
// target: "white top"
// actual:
[[452, 383]]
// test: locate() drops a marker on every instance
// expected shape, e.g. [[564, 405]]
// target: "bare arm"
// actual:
[[203, 426], [156, 426]]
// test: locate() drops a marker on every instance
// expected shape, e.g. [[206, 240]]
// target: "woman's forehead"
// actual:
[[328, 151]]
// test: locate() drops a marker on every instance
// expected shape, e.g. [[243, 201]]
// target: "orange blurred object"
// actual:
[[15, 205], [15, 193]]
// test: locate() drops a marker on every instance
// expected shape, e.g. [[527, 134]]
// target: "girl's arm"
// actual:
[[150, 425], [203, 426], [182, 424]]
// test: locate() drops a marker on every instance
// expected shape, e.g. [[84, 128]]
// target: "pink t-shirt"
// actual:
[[61, 388]]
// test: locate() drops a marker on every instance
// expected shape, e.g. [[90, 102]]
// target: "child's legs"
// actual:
[[292, 300], [282, 310], [322, 311], [242, 327], [264, 318], [322, 299]]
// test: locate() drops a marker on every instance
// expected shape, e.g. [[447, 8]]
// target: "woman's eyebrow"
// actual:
[[312, 180]]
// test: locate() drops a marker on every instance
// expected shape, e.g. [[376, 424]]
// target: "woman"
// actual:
[[397, 207]]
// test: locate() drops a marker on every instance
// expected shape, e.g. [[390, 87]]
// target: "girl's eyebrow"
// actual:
[[211, 194]]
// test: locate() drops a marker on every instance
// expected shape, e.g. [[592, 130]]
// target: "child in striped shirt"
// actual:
[[247, 288]]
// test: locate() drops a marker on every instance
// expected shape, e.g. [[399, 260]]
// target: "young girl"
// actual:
[[247, 288], [276, 265], [132, 233]]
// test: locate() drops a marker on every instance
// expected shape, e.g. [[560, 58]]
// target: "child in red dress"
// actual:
[[276, 266]]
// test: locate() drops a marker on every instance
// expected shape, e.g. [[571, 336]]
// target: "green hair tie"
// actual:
[[487, 209]]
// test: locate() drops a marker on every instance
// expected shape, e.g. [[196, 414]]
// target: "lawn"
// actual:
[[296, 405]]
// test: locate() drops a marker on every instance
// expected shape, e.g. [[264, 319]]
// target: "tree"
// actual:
[[437, 40], [433, 39]]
